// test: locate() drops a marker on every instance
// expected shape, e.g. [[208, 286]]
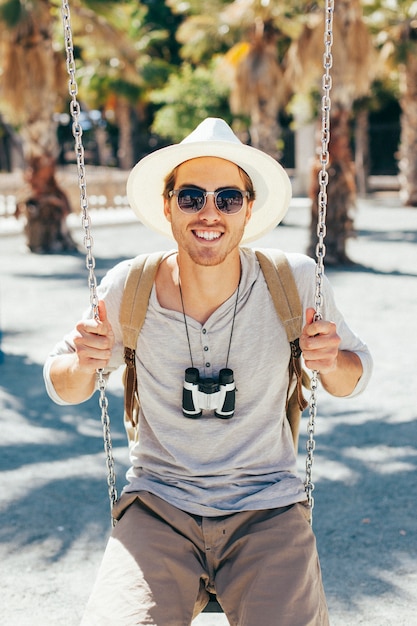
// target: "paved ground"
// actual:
[[53, 496]]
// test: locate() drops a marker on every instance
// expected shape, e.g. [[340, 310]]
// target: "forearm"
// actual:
[[343, 378], [72, 383]]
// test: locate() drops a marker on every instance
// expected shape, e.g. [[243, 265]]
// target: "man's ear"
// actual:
[[167, 209], [249, 212]]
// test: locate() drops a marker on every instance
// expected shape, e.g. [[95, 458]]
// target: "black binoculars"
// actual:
[[208, 394]]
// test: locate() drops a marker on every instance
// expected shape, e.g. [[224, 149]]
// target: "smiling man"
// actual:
[[213, 502]]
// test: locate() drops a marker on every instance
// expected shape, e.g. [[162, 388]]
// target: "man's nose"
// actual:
[[210, 211]]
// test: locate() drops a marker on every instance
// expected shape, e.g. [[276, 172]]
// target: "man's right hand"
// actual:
[[74, 375], [94, 341]]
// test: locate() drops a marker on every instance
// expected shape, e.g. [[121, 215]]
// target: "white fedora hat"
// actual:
[[212, 138]]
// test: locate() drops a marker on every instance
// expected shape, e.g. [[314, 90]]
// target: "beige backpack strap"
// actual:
[[138, 287], [283, 290], [286, 299]]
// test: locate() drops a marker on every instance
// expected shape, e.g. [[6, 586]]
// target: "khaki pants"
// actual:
[[160, 564]]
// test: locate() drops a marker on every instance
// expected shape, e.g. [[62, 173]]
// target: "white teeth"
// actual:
[[209, 235]]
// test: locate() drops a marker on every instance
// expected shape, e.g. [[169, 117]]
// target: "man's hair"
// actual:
[[169, 182]]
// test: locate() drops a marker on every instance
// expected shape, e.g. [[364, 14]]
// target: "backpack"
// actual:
[[284, 293]]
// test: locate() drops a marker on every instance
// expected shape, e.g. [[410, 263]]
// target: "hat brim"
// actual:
[[272, 185]]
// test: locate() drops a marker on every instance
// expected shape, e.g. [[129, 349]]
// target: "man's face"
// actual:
[[209, 235]]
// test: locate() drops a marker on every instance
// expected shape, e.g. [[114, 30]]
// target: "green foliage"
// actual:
[[156, 72], [393, 22], [197, 7], [203, 36], [189, 96], [11, 12], [125, 49]]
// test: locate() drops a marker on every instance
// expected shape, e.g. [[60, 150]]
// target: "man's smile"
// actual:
[[207, 235]]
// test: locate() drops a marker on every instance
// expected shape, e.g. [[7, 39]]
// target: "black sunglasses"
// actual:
[[193, 199]]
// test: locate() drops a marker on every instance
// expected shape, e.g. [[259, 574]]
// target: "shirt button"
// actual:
[[204, 331], [208, 364], [206, 348]]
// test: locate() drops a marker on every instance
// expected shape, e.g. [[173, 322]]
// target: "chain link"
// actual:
[[323, 178], [77, 132]]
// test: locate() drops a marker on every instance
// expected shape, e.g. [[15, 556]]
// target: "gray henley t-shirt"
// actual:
[[210, 466]]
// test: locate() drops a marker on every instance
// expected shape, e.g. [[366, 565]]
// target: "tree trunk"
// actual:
[[265, 131], [258, 88], [362, 151], [30, 89], [408, 142], [105, 157], [340, 194], [124, 122], [46, 209]]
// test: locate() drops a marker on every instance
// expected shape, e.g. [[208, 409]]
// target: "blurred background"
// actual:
[[148, 72]]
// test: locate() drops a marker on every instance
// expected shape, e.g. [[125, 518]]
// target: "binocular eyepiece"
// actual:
[[208, 394]]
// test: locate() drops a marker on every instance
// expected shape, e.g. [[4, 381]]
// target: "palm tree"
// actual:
[[138, 57], [30, 93], [266, 68], [243, 33], [408, 101], [34, 86], [394, 25], [258, 88], [352, 71]]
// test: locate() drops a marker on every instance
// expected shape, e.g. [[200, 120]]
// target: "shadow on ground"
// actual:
[[53, 462], [364, 515]]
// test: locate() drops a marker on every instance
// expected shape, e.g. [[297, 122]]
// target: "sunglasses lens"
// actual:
[[229, 200], [191, 200]]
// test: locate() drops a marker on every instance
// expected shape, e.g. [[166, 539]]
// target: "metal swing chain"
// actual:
[[323, 178], [88, 242]]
